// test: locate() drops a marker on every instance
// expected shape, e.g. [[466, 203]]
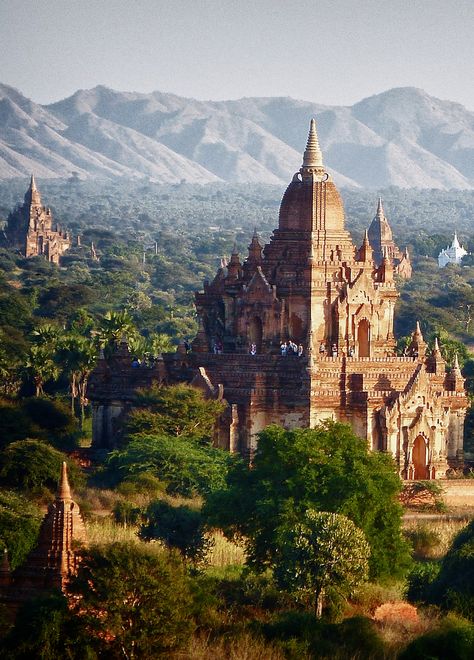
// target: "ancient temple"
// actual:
[[53, 560], [302, 331], [30, 229], [382, 243]]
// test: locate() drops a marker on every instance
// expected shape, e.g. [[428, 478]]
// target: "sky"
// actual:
[[331, 52]]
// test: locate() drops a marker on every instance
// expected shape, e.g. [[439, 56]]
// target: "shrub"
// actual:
[[420, 581], [454, 588], [178, 527], [453, 639]]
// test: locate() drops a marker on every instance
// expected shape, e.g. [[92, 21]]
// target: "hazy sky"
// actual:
[[332, 52]]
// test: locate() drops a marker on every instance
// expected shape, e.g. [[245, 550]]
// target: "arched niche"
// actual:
[[256, 332], [420, 457], [363, 338]]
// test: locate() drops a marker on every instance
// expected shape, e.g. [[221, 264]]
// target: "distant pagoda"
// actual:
[[30, 229]]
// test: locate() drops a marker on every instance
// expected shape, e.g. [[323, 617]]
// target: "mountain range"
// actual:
[[402, 137]]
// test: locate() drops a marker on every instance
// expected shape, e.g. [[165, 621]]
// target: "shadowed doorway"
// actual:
[[420, 457], [256, 332], [363, 338]]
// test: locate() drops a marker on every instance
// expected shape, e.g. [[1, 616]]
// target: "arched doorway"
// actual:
[[296, 328], [363, 338], [256, 332], [420, 457]]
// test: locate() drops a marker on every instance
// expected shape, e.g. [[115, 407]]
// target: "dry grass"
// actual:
[[445, 531], [242, 647], [224, 552], [102, 531]]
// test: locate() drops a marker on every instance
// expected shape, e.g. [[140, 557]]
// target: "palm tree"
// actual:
[[112, 327], [77, 356], [41, 366]]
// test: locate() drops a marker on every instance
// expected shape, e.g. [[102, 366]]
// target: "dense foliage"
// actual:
[[19, 526], [126, 597], [328, 469]]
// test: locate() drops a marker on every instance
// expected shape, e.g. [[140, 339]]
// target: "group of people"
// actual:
[[290, 348], [334, 350]]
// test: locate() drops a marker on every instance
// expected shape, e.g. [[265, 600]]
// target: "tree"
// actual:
[[134, 601], [177, 410], [179, 527], [323, 550], [454, 588], [46, 629], [31, 466], [19, 526], [41, 367], [186, 467], [327, 469], [77, 356]]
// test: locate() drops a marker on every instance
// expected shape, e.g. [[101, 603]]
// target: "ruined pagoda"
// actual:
[[30, 229], [301, 331], [53, 560]]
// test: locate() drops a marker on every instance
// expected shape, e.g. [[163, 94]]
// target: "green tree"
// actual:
[[31, 466], [134, 601], [324, 550], [327, 469], [177, 410], [19, 526], [41, 366], [186, 467], [77, 357], [179, 527]]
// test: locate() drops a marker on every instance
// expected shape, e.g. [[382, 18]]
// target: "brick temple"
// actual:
[[302, 331], [53, 560], [30, 229]]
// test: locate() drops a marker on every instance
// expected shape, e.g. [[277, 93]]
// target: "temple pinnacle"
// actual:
[[33, 187], [64, 490], [380, 212], [312, 155]]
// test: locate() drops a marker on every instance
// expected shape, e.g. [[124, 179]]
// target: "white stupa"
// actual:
[[453, 254]]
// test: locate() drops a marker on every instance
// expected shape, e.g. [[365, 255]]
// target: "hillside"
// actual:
[[402, 137]]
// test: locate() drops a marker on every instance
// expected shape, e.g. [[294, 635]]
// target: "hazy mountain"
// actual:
[[402, 137]]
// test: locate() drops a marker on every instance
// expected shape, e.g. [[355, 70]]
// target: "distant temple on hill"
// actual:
[[453, 254], [381, 241], [30, 229], [301, 331], [53, 560]]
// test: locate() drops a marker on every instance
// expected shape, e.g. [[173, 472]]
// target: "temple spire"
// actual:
[[313, 157], [380, 212], [64, 489]]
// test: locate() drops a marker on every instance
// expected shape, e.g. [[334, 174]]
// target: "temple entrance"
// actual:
[[296, 329], [363, 331], [256, 332], [420, 457]]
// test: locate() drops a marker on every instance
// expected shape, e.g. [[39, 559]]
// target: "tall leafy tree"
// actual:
[[327, 469], [324, 550]]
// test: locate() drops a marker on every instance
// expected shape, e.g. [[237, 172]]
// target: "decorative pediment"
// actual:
[[259, 289]]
